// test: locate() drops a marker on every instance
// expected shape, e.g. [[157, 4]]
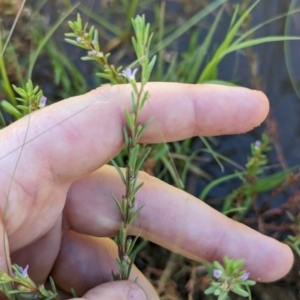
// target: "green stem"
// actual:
[[6, 83]]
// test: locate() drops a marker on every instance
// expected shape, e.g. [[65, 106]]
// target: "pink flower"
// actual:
[[24, 272], [129, 74], [92, 53], [43, 101], [217, 273], [245, 276]]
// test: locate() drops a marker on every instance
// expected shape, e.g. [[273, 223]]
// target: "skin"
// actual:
[[60, 212]]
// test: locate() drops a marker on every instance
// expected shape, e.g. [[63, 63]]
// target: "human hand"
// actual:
[[60, 212]]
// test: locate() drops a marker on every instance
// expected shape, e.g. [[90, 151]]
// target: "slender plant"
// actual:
[[230, 278], [88, 39], [132, 134]]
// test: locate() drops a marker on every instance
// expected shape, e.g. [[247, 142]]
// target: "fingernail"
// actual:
[[136, 294]]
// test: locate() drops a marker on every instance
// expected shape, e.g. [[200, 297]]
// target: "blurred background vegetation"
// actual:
[[249, 43]]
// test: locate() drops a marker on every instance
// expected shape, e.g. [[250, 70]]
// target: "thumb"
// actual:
[[117, 290]]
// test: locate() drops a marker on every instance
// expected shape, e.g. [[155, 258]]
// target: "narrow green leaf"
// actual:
[[133, 100], [250, 282], [258, 41], [237, 264], [235, 14], [129, 120], [20, 91], [133, 156], [126, 137], [216, 182], [22, 100], [142, 159], [217, 265], [145, 97], [132, 245], [73, 293], [75, 43], [118, 204], [210, 290], [106, 76], [79, 21], [135, 214], [119, 171], [8, 107], [217, 292], [223, 296], [91, 31], [212, 152], [119, 265], [52, 283], [2, 120], [43, 291], [150, 67], [137, 188], [144, 128], [239, 291], [130, 266], [35, 90], [70, 34], [29, 87]]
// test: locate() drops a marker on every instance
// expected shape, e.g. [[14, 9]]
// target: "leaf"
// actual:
[[119, 171], [218, 266], [73, 292], [29, 87], [51, 297], [133, 100], [210, 290], [129, 120], [119, 265], [132, 245], [144, 126], [145, 97], [222, 296], [135, 214], [250, 282], [20, 91], [133, 156], [150, 67], [137, 188], [211, 151], [118, 204], [130, 265], [142, 159], [52, 283], [75, 43], [8, 107], [105, 76], [70, 34], [239, 291], [237, 264], [126, 138], [43, 291]]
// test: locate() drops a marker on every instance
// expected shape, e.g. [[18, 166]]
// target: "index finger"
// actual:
[[86, 131]]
